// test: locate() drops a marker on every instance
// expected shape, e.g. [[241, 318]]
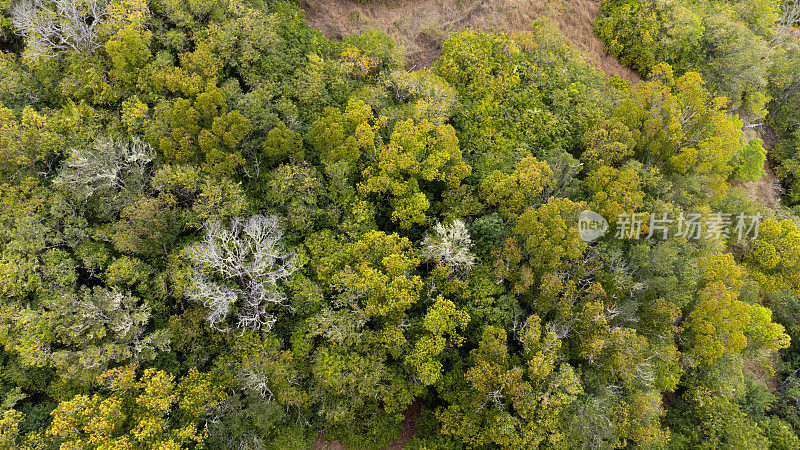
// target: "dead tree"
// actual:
[[240, 267], [118, 167], [790, 17], [54, 27], [450, 245]]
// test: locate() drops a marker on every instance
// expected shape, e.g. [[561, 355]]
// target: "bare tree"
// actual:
[[240, 266], [118, 166], [450, 245], [53, 27], [790, 16]]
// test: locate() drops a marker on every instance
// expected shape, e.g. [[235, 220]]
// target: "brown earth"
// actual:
[[421, 25], [767, 190]]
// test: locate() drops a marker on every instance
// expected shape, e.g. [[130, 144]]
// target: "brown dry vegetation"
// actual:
[[421, 25], [767, 190]]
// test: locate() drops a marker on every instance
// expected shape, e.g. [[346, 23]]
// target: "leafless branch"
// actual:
[[790, 16], [53, 27], [450, 245], [240, 266]]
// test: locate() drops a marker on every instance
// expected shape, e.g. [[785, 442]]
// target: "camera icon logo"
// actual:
[[591, 226]]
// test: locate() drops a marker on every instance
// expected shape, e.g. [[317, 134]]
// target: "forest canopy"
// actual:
[[220, 228]]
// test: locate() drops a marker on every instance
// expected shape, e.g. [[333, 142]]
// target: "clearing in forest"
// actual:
[[421, 25]]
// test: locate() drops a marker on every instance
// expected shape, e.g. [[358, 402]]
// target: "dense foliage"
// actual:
[[220, 229], [745, 50]]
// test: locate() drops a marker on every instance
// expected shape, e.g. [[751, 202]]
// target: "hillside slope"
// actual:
[[421, 25]]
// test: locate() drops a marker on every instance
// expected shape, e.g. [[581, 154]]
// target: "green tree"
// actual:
[[369, 53], [499, 402], [29, 143], [543, 239], [608, 143], [129, 51], [629, 29], [503, 118], [93, 329], [679, 125], [614, 191], [357, 339], [749, 163], [721, 324], [149, 226], [775, 256], [346, 138], [282, 144], [208, 196], [513, 192], [297, 193], [417, 156], [379, 276], [201, 131], [441, 325], [153, 411]]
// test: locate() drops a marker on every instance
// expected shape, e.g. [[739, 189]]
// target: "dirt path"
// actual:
[[421, 25]]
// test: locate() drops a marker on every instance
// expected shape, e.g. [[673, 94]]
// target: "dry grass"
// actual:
[[421, 25], [767, 190], [760, 374], [576, 23]]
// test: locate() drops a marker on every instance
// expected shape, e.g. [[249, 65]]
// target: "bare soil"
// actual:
[[421, 25]]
